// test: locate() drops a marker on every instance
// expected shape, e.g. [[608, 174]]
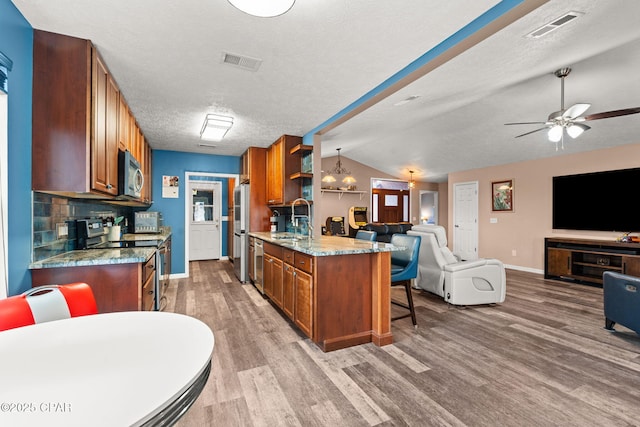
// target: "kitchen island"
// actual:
[[335, 289]]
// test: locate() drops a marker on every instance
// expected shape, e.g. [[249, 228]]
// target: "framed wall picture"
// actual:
[[502, 196]]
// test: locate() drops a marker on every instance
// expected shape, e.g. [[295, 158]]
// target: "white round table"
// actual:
[[112, 369]]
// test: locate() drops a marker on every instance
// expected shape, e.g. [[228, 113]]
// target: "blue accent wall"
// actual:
[[16, 42], [174, 163]]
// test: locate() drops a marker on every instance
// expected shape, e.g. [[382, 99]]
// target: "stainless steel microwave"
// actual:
[[130, 178]]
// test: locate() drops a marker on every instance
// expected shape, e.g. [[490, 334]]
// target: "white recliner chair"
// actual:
[[481, 281]]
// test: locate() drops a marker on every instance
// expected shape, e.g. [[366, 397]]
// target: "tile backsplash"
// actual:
[[51, 213]]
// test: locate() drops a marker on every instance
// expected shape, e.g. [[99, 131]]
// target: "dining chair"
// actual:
[[47, 303], [366, 235], [404, 267]]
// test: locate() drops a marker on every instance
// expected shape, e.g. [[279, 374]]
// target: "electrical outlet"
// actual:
[[62, 230], [493, 220], [513, 252]]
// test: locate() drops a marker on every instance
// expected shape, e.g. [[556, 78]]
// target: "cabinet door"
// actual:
[[104, 144], [275, 173], [276, 272], [123, 124], [304, 302], [288, 291], [246, 168], [267, 275], [631, 265], [558, 262]]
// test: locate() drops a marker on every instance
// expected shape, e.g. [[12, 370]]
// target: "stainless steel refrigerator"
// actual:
[[241, 232]]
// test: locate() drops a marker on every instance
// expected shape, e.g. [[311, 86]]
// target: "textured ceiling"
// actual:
[[324, 54]]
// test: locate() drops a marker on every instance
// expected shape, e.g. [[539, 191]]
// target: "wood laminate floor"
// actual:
[[542, 358]]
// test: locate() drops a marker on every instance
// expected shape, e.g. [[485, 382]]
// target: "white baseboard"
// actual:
[[527, 269]]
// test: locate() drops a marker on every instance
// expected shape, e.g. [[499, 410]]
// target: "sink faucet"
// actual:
[[294, 216]]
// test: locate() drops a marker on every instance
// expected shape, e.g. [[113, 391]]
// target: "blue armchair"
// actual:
[[404, 267], [621, 294]]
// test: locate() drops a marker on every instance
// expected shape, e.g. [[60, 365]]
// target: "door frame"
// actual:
[[187, 212], [436, 207]]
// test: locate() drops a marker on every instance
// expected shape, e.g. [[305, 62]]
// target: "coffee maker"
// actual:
[[277, 221]]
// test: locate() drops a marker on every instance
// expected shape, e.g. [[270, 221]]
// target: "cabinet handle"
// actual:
[[109, 186], [150, 292]]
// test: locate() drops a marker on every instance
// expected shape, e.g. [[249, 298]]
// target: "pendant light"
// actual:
[[412, 183]]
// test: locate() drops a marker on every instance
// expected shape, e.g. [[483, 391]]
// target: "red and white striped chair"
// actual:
[[47, 303]]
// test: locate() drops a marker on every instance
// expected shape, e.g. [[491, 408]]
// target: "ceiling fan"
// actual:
[[570, 119]]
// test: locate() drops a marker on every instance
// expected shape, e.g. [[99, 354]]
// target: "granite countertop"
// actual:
[[89, 257], [324, 245]]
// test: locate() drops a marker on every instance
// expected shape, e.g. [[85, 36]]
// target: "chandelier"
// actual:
[[338, 169]]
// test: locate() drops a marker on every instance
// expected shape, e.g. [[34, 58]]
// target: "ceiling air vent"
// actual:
[[555, 24], [244, 62]]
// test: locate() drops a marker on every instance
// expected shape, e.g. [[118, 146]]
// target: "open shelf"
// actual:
[[341, 192], [301, 148]]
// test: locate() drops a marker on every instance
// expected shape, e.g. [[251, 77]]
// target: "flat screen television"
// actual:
[[598, 201]]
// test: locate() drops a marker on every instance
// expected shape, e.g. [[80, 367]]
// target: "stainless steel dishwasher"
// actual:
[[258, 264]]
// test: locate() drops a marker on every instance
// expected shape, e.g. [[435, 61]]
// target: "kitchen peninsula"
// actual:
[[335, 289], [122, 278]]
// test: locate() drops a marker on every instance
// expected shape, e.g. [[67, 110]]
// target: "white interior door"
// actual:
[[204, 227], [465, 220]]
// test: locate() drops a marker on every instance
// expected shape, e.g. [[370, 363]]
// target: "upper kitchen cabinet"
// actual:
[[254, 173], [281, 165], [79, 119]]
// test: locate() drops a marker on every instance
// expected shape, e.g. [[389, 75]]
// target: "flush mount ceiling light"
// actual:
[[215, 127], [263, 8]]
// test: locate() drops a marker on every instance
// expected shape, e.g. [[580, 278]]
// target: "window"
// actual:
[[5, 67]]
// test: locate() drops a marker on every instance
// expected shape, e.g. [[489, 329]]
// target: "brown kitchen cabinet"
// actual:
[[288, 290], [148, 284], [272, 273], [116, 287], [281, 165], [75, 104], [253, 173], [83, 121]]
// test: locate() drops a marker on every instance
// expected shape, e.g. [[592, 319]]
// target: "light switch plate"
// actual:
[[493, 220], [62, 230]]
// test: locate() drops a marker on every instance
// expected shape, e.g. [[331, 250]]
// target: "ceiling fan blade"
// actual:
[[614, 113], [526, 123], [575, 110], [533, 131]]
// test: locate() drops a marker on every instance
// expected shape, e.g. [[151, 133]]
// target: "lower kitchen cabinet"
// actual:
[[116, 287], [288, 290], [303, 310]]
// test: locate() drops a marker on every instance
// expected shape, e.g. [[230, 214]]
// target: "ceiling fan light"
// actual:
[[262, 8], [555, 133], [576, 129]]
